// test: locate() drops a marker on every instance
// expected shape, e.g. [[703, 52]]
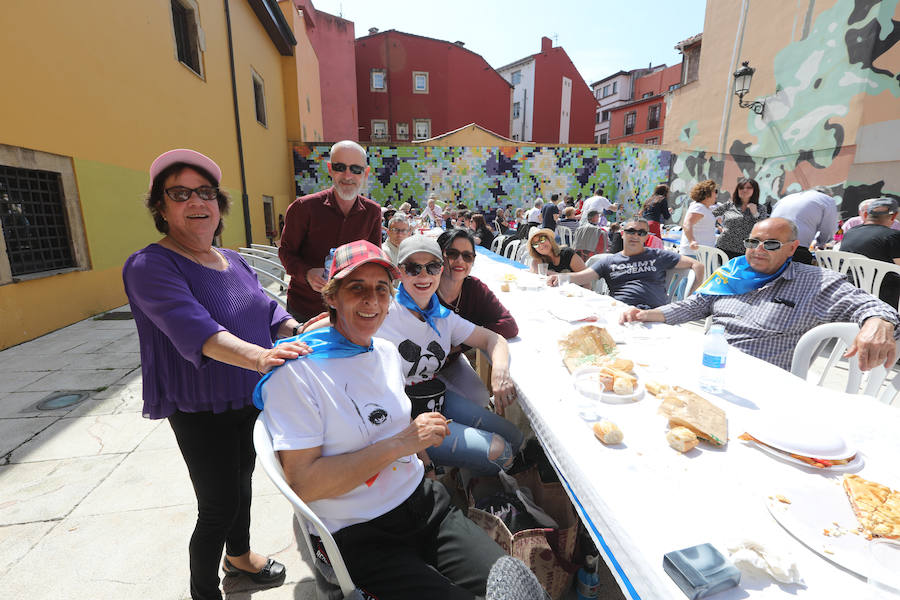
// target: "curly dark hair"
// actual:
[[156, 197], [703, 190]]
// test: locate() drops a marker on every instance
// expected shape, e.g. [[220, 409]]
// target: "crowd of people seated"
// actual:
[[363, 381]]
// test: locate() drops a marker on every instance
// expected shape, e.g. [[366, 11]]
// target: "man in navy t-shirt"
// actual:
[[550, 213], [636, 275]]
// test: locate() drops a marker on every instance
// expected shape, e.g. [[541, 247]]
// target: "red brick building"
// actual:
[[413, 87], [552, 104], [641, 120]]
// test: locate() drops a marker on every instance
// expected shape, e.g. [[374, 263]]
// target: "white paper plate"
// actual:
[[800, 434], [573, 313], [816, 505], [851, 467], [587, 384]]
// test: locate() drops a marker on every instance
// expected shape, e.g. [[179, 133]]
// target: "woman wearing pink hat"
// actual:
[[206, 329]]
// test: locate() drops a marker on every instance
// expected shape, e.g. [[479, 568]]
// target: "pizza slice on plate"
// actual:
[[877, 507]]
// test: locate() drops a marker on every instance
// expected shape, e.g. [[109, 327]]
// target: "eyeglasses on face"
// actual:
[[341, 167], [413, 269], [400, 230], [638, 232], [770, 245], [538, 242], [179, 193], [453, 254]]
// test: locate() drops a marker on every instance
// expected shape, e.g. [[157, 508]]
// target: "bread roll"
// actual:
[[681, 438], [623, 386], [608, 432]]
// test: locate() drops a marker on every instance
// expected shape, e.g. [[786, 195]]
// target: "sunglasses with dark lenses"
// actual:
[[770, 245], [453, 254], [632, 231], [179, 193], [341, 167], [413, 269]]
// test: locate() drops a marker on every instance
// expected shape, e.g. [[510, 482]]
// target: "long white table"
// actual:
[[643, 499]]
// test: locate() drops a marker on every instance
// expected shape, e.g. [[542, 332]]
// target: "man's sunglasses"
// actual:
[[341, 167], [413, 269], [770, 245], [179, 193], [453, 254], [639, 232]]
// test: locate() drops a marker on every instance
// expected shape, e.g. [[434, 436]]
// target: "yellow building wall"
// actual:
[[303, 103], [101, 82]]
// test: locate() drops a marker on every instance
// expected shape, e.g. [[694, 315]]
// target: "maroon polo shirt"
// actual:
[[313, 225]]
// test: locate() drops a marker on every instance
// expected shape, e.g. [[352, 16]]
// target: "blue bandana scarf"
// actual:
[[737, 277], [325, 343], [434, 310]]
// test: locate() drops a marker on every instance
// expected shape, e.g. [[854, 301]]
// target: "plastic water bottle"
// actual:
[[328, 260], [588, 584], [715, 353]]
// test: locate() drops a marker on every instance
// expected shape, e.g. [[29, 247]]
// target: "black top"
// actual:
[[486, 237], [880, 243], [547, 212], [658, 212], [565, 260]]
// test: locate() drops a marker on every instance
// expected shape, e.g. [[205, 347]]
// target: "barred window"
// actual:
[[35, 224]]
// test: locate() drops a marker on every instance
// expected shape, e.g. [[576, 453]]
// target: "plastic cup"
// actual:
[[884, 570], [542, 269], [562, 278]]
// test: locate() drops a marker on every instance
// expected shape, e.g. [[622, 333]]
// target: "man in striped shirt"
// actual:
[[768, 321]]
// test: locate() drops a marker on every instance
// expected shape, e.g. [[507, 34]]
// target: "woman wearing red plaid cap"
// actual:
[[340, 420], [206, 329]]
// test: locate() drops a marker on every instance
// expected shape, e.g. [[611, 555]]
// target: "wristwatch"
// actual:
[[296, 330]]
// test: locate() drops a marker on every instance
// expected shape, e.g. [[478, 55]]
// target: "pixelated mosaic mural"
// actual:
[[488, 176]]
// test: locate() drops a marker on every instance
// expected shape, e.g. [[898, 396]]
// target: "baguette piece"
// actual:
[[684, 408], [587, 345], [681, 439], [608, 432]]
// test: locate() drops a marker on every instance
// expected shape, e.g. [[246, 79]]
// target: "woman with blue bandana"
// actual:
[[340, 420]]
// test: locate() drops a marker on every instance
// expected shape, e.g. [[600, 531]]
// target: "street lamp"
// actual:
[[742, 79]]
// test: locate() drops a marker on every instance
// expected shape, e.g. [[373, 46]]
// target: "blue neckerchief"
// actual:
[[737, 277], [325, 343], [434, 310]]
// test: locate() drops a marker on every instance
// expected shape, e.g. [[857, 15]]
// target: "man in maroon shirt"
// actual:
[[315, 224]]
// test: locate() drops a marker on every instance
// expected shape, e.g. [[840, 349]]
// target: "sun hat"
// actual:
[[183, 155], [418, 243], [355, 254]]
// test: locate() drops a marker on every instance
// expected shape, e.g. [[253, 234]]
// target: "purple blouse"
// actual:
[[177, 305]]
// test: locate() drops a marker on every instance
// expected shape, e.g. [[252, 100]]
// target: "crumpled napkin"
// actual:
[[749, 553]]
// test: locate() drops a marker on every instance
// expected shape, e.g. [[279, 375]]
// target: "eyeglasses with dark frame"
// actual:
[[413, 269], [638, 232], [180, 193], [770, 245], [453, 254], [341, 167]]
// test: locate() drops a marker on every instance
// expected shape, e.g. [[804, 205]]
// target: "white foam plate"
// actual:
[[800, 434], [573, 313], [587, 382], [851, 467], [816, 505]]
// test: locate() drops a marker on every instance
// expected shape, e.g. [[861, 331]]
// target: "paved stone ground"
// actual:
[[95, 500]]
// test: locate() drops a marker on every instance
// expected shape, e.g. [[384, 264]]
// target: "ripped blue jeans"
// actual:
[[471, 434]]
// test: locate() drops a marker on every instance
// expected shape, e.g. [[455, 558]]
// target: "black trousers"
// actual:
[[424, 548], [218, 450]]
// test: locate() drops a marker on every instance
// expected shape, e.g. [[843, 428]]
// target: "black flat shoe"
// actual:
[[271, 573]]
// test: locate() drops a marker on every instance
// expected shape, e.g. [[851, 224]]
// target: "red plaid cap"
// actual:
[[352, 255]]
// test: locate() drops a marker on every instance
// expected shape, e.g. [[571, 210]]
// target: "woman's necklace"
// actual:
[[194, 256], [455, 306]]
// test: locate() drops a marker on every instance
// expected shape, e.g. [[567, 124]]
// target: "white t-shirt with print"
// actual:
[[422, 350], [343, 405]]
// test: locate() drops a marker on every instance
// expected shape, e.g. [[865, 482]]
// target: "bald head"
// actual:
[[349, 145], [776, 229]]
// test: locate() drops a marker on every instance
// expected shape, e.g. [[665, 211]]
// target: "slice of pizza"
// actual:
[[877, 507]]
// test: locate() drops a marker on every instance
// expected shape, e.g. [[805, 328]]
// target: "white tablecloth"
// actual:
[[644, 499]]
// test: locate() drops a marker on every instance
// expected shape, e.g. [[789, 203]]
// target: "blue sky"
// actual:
[[600, 36]]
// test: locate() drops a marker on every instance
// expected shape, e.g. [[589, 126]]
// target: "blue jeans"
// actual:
[[471, 434]]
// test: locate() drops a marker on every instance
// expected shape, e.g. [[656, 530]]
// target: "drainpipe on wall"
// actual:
[[524, 110], [245, 200]]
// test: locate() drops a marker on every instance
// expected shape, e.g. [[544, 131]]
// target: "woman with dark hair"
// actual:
[[483, 235], [699, 227], [656, 209], [206, 329], [471, 299], [739, 215], [559, 259]]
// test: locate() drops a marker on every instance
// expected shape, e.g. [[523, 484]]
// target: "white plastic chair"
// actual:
[[679, 283], [523, 255], [810, 345], [512, 249], [498, 242], [868, 273], [712, 258], [599, 286], [836, 260], [262, 441], [564, 234]]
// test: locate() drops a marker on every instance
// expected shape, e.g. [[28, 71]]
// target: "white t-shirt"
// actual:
[[533, 215], [598, 203], [704, 229], [343, 405], [422, 350]]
